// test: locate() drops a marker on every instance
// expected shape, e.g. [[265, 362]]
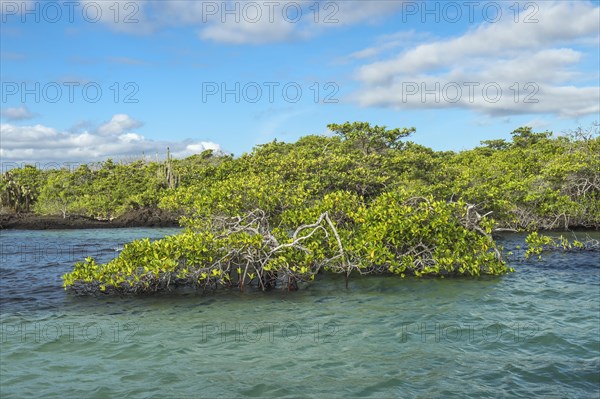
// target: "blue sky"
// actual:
[[88, 80]]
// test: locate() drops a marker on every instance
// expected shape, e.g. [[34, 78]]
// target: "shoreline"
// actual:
[[144, 217]]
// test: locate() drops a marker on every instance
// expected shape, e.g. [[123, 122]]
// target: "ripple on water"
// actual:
[[534, 333]]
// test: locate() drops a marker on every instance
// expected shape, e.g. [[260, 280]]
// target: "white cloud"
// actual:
[[117, 125], [541, 58], [248, 33], [242, 22], [288, 24], [131, 137], [196, 148], [38, 143], [538, 124], [127, 16], [386, 43], [17, 137], [16, 113]]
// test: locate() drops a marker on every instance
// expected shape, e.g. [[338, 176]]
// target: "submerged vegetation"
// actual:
[[365, 200], [539, 243]]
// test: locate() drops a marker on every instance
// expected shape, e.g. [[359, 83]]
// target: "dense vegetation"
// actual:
[[101, 190], [363, 201]]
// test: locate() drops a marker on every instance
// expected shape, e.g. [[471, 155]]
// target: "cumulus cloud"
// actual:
[[187, 149], [113, 139], [535, 65], [118, 124], [16, 113]]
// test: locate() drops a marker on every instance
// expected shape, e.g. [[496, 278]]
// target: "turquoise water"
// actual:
[[533, 333]]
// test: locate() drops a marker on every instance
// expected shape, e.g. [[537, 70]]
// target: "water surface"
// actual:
[[533, 333]]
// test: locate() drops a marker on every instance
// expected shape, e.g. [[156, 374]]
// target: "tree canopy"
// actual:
[[365, 200]]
